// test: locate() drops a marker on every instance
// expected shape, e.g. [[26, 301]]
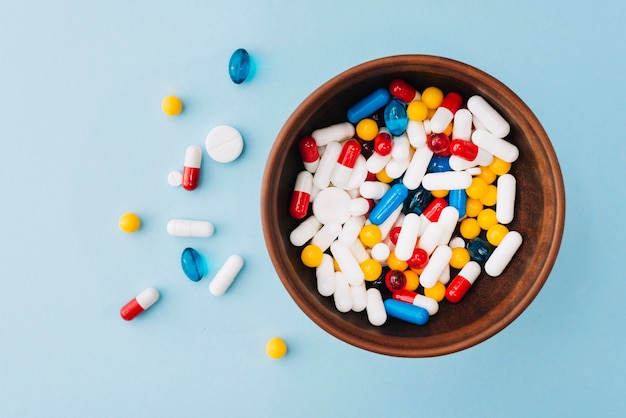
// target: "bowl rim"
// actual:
[[302, 297]]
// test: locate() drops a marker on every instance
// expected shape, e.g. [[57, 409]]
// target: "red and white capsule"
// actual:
[[301, 195], [191, 169], [309, 153], [445, 112], [139, 304], [463, 281], [345, 163], [402, 90]]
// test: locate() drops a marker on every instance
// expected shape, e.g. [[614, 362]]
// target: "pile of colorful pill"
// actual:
[[412, 190]]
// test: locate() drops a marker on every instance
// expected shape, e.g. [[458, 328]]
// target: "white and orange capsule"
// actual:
[[139, 304]]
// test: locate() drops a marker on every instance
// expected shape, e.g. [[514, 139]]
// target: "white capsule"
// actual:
[[470, 271], [441, 119], [416, 134], [373, 189], [333, 133], [503, 254], [304, 231], [358, 251], [444, 277], [462, 127], [326, 235], [457, 242], [430, 304], [359, 297], [430, 238], [376, 162], [190, 228], [332, 205], [505, 198], [380, 252], [390, 222], [401, 147], [359, 174], [407, 238], [350, 231], [448, 219], [347, 263], [483, 158], [342, 296], [359, 206], [447, 180], [436, 264], [376, 313], [488, 116], [417, 168], [226, 275], [396, 168], [325, 275], [497, 147], [324, 171]]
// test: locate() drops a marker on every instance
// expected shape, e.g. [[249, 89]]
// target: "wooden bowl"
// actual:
[[492, 303]]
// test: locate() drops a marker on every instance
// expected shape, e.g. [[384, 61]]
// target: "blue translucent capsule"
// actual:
[[368, 105], [417, 200], [406, 312], [439, 165], [396, 118], [391, 200], [458, 199], [479, 249], [194, 264], [239, 66]]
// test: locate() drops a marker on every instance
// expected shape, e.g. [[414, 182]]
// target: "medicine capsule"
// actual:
[[402, 90], [464, 149], [439, 144], [226, 275], [505, 198], [301, 195], [417, 168], [406, 296], [458, 287], [190, 228], [191, 169], [445, 112], [368, 105], [375, 308], [406, 312], [395, 116], [348, 264], [438, 261], [407, 238], [309, 153], [139, 304], [503, 254], [462, 127], [449, 180], [495, 146], [239, 66], [488, 116], [345, 163], [391, 201], [193, 264]]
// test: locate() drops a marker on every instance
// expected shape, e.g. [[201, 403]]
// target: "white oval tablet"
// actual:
[[332, 205], [224, 143]]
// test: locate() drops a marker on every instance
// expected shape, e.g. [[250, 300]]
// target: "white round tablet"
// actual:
[[332, 205], [224, 143], [175, 178]]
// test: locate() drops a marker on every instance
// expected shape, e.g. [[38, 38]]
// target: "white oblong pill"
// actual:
[[505, 198], [416, 134], [448, 219], [333, 133], [470, 271], [447, 180], [321, 179], [175, 178], [350, 231], [430, 304], [226, 275], [373, 189], [325, 275], [304, 231], [359, 206], [407, 238], [401, 147], [359, 297], [358, 251], [488, 116], [375, 308], [417, 168], [332, 205], [396, 168], [224, 143], [359, 174], [342, 296], [503, 254], [347, 263], [326, 235], [376, 162], [436, 264], [495, 146], [462, 127], [430, 238], [190, 228]]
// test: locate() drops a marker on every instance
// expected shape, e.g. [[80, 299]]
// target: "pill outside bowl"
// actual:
[[492, 303]]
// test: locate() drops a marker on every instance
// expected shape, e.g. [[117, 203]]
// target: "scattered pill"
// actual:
[[301, 195], [239, 66], [129, 222], [193, 264], [139, 304], [224, 143], [190, 228], [226, 275], [171, 105], [191, 168], [175, 178], [276, 348]]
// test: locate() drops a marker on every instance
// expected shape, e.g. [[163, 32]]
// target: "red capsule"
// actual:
[[433, 210], [452, 101], [191, 168], [301, 195], [418, 259], [383, 144], [404, 295], [463, 281], [139, 304], [395, 280], [309, 153], [349, 153], [402, 90], [464, 149]]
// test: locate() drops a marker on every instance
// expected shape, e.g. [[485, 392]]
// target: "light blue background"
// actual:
[[83, 139]]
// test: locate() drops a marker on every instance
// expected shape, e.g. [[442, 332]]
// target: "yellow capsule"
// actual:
[[367, 129], [439, 193], [487, 218], [473, 207], [171, 105], [432, 97], [499, 167], [489, 198], [370, 235], [460, 257], [417, 111], [477, 189], [311, 255], [469, 228], [437, 292], [496, 233], [394, 264], [129, 222], [383, 177], [487, 175], [276, 348], [372, 269], [412, 280]]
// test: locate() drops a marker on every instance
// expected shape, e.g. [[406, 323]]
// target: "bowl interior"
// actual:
[[492, 303]]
